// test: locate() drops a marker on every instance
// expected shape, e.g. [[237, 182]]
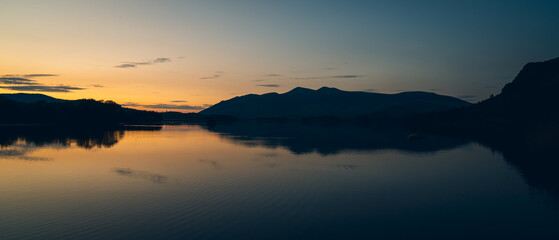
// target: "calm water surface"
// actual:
[[186, 182]]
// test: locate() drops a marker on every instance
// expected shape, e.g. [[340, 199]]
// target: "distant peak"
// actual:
[[300, 89], [308, 90], [328, 89]]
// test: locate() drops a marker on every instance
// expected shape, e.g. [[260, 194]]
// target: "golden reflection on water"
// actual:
[[200, 180], [183, 155], [176, 154]]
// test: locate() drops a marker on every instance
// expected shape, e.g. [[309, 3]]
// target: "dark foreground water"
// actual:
[[265, 182]]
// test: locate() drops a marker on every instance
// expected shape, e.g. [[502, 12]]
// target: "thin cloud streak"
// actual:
[[166, 106], [29, 75], [212, 77], [139, 63], [42, 88], [268, 85], [330, 77], [135, 64], [18, 83], [39, 75], [161, 60], [126, 65], [217, 74]]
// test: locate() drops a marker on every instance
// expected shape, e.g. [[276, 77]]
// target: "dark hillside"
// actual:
[[304, 103]]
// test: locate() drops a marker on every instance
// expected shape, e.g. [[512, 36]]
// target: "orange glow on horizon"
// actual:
[[164, 110]]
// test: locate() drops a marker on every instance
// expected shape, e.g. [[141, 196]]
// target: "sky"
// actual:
[[188, 55]]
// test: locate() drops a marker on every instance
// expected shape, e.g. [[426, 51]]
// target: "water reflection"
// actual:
[[270, 181], [333, 139], [153, 177], [18, 142], [538, 166], [20, 151], [214, 164]]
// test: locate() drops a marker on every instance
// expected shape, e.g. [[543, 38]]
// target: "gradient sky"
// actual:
[[187, 55]]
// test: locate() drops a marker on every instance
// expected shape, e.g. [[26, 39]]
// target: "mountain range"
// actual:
[[528, 101], [305, 103]]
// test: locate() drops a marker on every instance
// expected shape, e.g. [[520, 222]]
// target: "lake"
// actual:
[[267, 181]]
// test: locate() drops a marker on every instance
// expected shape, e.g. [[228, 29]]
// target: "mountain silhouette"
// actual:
[[530, 97], [529, 102], [304, 103], [30, 97]]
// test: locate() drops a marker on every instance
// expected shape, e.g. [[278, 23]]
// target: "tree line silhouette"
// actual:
[[83, 111]]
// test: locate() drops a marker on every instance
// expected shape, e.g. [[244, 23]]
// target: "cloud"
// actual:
[[174, 106], [135, 64], [42, 88], [212, 77], [370, 90], [178, 101], [17, 81], [97, 85], [126, 65], [217, 74], [166, 106], [268, 85], [139, 63], [274, 75], [161, 60], [347, 76], [258, 80], [29, 75], [24, 84], [131, 104], [330, 77], [39, 75]]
